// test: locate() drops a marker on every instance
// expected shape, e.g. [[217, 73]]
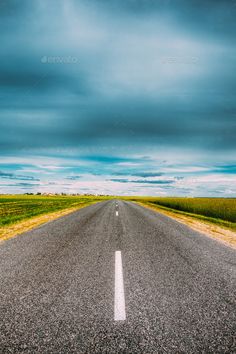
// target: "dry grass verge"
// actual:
[[7, 232], [222, 234]]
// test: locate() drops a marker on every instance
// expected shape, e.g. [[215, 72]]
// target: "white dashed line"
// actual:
[[117, 214], [119, 308]]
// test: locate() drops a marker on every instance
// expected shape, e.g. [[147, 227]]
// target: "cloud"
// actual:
[[20, 185], [137, 99], [143, 181], [104, 159], [139, 174], [227, 169], [109, 89], [9, 175], [27, 184], [73, 178]]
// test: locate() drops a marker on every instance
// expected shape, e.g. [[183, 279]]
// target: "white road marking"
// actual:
[[119, 305], [117, 214]]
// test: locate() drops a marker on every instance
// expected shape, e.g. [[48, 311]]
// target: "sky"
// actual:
[[122, 97]]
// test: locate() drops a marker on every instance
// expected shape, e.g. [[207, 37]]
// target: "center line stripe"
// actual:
[[117, 213], [119, 306]]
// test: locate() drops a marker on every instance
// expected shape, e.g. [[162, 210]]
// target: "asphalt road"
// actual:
[[57, 286]]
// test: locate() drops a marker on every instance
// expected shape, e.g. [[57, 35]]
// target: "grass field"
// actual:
[[20, 213], [21, 207], [217, 210]]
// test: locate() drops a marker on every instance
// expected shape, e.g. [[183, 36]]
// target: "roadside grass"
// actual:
[[18, 208], [222, 233], [20, 213], [221, 211]]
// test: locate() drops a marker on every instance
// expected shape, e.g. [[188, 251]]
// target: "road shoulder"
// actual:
[[18, 228], [219, 233]]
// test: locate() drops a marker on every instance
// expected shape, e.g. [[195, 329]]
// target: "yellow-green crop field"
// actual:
[[14, 208], [220, 210]]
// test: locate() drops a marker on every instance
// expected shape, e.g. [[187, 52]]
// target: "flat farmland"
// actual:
[[217, 210], [16, 208]]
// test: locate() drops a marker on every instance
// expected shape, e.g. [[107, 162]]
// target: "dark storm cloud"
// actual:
[[106, 82], [34, 80], [73, 99], [27, 80], [203, 129], [10, 8], [214, 15]]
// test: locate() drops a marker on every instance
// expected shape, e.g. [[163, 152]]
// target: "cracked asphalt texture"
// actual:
[[57, 286]]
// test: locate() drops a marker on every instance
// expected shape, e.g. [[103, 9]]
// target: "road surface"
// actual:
[[116, 278]]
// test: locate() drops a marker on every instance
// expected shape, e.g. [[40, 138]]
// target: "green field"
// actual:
[[15, 208], [21, 207], [217, 210]]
